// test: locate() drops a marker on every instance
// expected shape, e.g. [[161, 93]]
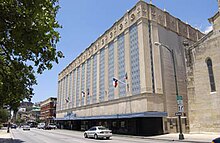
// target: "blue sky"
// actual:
[[84, 21]]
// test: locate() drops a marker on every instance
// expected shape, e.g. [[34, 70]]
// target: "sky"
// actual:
[[83, 21]]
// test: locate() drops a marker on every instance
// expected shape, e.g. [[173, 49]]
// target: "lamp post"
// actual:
[[181, 137]]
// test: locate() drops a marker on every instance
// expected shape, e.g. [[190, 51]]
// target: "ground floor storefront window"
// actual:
[[132, 126]]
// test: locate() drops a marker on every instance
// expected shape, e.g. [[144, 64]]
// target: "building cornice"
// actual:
[[142, 11]]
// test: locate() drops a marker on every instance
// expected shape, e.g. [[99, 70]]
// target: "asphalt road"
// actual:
[[66, 136]]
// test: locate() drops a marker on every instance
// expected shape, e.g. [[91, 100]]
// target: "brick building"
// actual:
[[48, 109]]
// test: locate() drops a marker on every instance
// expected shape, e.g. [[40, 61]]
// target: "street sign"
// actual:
[[178, 114], [179, 97], [180, 102], [180, 108]]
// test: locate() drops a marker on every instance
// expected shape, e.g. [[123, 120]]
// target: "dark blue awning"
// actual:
[[116, 116]]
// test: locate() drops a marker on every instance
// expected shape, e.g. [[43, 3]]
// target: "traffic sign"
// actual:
[[180, 108], [179, 97], [178, 114], [180, 102]]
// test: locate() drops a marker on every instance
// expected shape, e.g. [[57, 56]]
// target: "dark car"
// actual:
[[217, 140], [13, 126]]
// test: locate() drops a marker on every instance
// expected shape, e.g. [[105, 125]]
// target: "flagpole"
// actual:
[[120, 81]]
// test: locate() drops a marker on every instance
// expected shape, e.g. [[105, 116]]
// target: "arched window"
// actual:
[[211, 75]]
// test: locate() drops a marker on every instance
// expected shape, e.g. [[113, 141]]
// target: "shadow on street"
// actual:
[[10, 141]]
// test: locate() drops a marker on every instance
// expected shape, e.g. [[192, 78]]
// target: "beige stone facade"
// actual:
[[149, 66], [204, 81]]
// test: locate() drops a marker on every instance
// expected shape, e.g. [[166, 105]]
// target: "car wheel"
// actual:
[[96, 136], [85, 135], [107, 138]]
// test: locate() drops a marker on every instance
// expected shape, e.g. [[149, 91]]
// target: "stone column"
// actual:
[[127, 61], [98, 77], [106, 91], [141, 38], [85, 87]]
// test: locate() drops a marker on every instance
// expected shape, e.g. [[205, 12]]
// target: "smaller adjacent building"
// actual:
[[48, 109], [23, 113], [203, 72]]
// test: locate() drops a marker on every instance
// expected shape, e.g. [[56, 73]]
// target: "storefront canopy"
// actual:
[[115, 116]]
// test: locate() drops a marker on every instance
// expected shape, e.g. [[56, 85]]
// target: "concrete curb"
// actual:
[[191, 141], [161, 139]]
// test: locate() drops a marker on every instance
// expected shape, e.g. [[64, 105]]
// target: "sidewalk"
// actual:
[[4, 136], [196, 138]]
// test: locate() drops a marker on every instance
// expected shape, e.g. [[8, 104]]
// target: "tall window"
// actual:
[[82, 84], [211, 75], [121, 65], [110, 71], [94, 79], [102, 75], [88, 81], [78, 93], [134, 55]]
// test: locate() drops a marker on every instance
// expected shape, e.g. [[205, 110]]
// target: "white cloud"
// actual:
[[208, 29]]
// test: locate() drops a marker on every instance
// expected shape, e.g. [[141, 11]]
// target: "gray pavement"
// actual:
[[67, 136]]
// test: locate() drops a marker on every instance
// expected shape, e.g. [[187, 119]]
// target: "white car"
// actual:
[[26, 127], [41, 126], [51, 126], [98, 132]]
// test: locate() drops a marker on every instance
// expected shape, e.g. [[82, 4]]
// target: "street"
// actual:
[[66, 136]]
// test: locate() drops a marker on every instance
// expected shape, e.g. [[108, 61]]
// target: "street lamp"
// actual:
[[181, 137]]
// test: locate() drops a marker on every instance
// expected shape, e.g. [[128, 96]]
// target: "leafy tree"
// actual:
[[28, 39], [3, 115]]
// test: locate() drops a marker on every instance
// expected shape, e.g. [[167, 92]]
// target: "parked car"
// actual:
[[26, 127], [217, 140], [51, 126], [41, 126], [13, 126], [98, 132]]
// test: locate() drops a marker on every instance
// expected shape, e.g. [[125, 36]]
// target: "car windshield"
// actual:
[[102, 128]]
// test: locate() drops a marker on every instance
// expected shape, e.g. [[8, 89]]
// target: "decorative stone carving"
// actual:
[[171, 22], [106, 38], [138, 11], [115, 31], [153, 13], [182, 28], [126, 20], [132, 17], [111, 34], [192, 33], [121, 27], [161, 17]]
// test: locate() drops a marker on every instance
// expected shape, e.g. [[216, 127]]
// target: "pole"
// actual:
[[181, 137]]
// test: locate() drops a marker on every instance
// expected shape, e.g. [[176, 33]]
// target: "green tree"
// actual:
[[3, 115], [28, 39]]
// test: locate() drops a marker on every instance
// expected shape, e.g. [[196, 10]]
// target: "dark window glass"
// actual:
[[211, 75]]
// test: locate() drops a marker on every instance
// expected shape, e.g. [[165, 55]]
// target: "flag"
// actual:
[[126, 76], [67, 99], [88, 91], [115, 82], [83, 94]]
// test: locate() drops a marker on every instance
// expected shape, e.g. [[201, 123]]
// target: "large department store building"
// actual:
[[144, 101]]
